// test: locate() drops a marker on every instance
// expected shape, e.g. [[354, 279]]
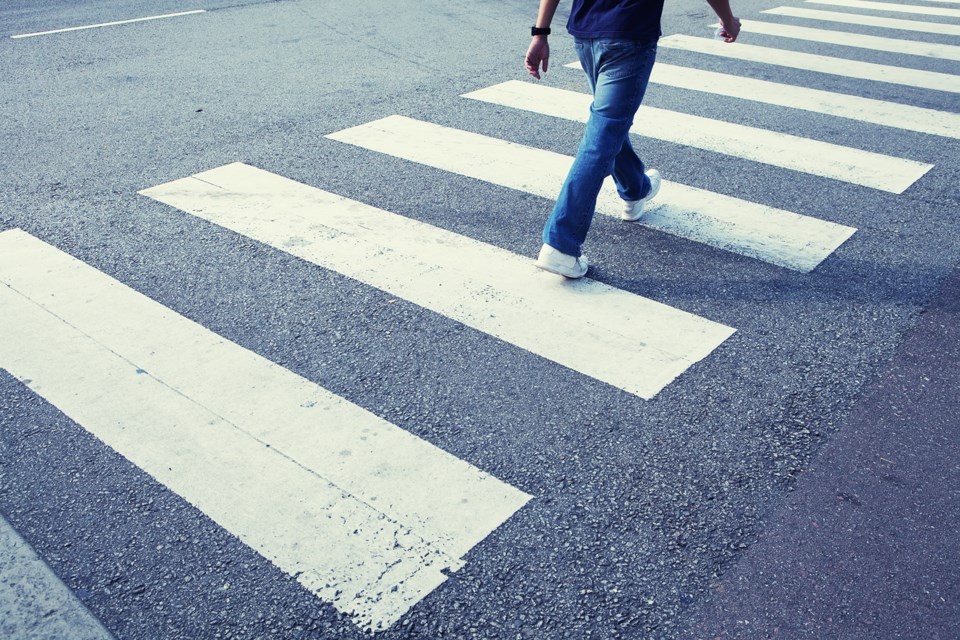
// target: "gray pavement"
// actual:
[[867, 546]]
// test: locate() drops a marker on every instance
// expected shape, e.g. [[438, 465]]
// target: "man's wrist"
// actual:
[[539, 31]]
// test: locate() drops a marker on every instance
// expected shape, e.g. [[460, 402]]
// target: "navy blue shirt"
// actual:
[[629, 19]]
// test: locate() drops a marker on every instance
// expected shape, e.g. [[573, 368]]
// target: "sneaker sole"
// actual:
[[570, 275]]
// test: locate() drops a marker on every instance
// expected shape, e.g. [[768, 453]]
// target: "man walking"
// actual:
[[616, 41]]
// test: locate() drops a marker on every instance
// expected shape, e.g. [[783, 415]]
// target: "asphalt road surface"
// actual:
[[275, 363]]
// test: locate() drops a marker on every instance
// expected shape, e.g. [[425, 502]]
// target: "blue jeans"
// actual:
[[618, 71]]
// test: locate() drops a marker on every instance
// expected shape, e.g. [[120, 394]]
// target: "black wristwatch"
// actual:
[[539, 31]]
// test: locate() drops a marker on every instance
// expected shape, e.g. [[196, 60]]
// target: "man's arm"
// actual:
[[538, 53], [729, 23]]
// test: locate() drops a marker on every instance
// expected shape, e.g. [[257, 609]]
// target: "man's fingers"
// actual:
[[730, 32], [532, 68], [537, 54]]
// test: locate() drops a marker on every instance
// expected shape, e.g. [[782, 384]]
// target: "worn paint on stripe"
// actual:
[[892, 7], [776, 236], [109, 24], [364, 514], [813, 62], [889, 114], [848, 39], [625, 340], [870, 21], [815, 157]]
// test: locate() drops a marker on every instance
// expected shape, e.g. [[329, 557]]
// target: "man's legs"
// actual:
[[618, 71], [628, 173]]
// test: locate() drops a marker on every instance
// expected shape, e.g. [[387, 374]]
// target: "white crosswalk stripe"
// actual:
[[776, 236], [760, 145], [813, 62], [888, 114], [869, 21], [364, 514], [847, 39], [890, 6], [614, 336]]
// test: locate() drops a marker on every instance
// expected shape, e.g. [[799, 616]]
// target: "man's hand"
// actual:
[[729, 23], [729, 29], [537, 54]]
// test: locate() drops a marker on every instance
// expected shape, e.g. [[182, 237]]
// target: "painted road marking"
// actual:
[[813, 62], [870, 21], [890, 6], [364, 514], [773, 235], [109, 24], [630, 342], [889, 114], [847, 39], [818, 158]]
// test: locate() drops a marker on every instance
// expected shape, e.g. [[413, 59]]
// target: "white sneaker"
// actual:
[[560, 263], [633, 209]]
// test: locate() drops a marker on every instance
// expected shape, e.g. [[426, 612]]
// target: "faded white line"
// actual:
[[364, 514], [34, 601], [869, 21], [889, 114], [813, 62], [109, 24], [623, 339], [773, 235], [815, 157], [856, 40], [890, 6]]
